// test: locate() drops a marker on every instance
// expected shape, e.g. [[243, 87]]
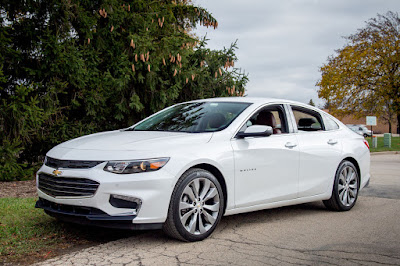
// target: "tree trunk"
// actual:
[[398, 123], [390, 127]]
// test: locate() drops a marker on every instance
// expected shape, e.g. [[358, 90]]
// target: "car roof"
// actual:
[[256, 100]]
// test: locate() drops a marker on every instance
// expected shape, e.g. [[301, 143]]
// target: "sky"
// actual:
[[283, 43]]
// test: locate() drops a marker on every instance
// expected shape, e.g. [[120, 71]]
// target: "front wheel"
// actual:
[[196, 206], [345, 188]]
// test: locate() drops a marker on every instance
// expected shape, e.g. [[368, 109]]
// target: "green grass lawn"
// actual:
[[24, 229], [395, 144], [28, 235]]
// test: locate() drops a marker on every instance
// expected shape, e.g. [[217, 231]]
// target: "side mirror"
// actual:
[[256, 131]]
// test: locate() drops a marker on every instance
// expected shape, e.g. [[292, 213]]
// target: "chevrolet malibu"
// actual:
[[188, 165]]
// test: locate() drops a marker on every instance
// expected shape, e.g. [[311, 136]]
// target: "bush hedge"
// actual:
[[69, 68]]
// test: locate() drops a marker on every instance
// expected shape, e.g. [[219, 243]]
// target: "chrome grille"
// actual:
[[67, 186], [56, 163]]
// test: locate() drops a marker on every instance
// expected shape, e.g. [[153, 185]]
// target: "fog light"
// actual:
[[126, 202]]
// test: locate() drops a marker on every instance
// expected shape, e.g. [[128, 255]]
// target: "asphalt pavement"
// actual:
[[305, 234]]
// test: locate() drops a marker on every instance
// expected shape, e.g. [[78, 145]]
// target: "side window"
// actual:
[[307, 120], [272, 116], [330, 124]]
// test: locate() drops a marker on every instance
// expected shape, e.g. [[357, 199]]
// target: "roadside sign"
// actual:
[[371, 120]]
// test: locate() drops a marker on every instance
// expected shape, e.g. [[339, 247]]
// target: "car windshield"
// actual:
[[194, 117]]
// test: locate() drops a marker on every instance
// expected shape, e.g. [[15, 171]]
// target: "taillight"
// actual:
[[366, 143]]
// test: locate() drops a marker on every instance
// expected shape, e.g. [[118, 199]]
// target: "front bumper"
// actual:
[[91, 216], [154, 190]]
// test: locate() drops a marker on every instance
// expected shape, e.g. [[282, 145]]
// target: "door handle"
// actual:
[[290, 145], [332, 142]]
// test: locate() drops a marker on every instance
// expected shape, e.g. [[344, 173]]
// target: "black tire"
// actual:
[[174, 226], [340, 201]]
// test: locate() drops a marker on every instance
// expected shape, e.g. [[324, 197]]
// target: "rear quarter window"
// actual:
[[330, 124]]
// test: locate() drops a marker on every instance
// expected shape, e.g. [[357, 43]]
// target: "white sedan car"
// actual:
[[186, 166]]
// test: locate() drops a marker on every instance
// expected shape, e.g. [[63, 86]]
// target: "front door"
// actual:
[[266, 168]]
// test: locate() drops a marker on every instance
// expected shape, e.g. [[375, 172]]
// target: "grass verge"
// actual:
[[395, 144], [28, 235]]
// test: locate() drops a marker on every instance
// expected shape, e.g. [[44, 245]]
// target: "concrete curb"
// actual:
[[385, 152]]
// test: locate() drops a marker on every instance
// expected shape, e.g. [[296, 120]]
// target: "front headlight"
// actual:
[[136, 166]]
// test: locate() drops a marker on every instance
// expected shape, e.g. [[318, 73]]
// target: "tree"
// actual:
[[70, 68], [363, 77], [311, 102]]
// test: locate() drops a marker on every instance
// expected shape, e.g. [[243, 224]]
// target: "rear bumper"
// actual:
[[91, 216]]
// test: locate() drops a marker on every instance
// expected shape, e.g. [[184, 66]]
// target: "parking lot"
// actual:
[[305, 234]]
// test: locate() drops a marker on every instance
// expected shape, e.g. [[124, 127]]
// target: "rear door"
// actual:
[[320, 150]]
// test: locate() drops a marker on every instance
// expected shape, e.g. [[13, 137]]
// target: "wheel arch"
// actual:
[[354, 161], [217, 173]]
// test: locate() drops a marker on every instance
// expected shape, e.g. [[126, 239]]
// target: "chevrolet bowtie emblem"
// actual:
[[57, 172]]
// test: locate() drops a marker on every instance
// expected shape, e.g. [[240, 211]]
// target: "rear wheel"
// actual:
[[196, 206], [345, 188]]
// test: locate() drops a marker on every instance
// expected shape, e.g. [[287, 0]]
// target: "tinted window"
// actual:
[[194, 117], [307, 120]]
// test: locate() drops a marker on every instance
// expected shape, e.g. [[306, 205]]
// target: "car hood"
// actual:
[[120, 144]]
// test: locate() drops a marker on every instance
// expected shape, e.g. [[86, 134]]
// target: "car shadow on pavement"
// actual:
[[272, 215], [91, 235]]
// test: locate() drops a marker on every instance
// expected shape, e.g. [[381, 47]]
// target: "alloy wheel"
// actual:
[[199, 206], [347, 186]]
